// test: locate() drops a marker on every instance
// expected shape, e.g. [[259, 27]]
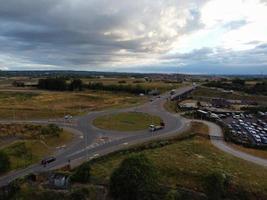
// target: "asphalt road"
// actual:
[[216, 132], [94, 142]]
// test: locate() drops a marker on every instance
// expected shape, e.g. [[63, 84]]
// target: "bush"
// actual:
[[79, 194], [173, 195], [135, 179], [215, 185], [4, 162], [18, 149], [51, 130], [82, 174]]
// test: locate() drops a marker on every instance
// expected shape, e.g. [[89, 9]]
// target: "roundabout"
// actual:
[[126, 121]]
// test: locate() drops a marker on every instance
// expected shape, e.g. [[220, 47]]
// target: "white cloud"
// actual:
[[107, 34]]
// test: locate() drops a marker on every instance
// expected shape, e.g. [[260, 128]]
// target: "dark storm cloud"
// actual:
[[91, 33], [99, 34]]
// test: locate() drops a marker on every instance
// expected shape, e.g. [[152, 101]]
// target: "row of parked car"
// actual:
[[247, 128]]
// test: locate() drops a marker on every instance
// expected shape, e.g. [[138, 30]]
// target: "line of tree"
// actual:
[[135, 89], [240, 85], [61, 84]]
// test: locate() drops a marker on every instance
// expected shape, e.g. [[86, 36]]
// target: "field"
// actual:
[[29, 148], [44, 104], [262, 153], [130, 121], [185, 162], [204, 92]]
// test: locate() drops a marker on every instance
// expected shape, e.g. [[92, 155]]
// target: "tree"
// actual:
[[79, 194], [58, 84], [76, 84], [238, 82], [215, 185], [51, 130], [135, 179], [82, 174], [4, 162]]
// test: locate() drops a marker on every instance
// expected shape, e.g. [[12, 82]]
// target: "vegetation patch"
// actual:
[[128, 121], [33, 142], [188, 162]]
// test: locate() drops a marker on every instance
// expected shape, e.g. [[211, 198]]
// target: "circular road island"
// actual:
[[126, 121]]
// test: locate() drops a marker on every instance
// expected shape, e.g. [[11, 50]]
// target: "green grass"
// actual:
[[26, 152], [129, 121], [185, 163]]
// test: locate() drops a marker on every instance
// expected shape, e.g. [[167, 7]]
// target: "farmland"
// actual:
[[43, 104]]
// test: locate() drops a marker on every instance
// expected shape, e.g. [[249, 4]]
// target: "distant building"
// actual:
[[188, 105], [220, 103], [59, 181]]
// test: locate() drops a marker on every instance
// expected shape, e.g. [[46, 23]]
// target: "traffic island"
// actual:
[[127, 121]]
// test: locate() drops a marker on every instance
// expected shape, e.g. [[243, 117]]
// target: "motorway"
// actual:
[[93, 142]]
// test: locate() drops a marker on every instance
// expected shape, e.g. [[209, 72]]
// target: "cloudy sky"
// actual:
[[189, 36]]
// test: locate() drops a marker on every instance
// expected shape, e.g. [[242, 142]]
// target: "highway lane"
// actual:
[[87, 147]]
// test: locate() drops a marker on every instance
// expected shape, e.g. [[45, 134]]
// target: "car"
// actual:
[[48, 160], [153, 127]]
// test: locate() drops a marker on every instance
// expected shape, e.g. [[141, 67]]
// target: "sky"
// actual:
[[170, 36]]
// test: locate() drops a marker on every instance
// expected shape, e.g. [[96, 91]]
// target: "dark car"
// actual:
[[48, 160]]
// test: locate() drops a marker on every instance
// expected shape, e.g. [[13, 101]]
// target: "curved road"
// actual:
[[94, 142], [215, 131]]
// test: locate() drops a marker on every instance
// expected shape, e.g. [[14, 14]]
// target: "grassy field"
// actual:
[[213, 93], [130, 121], [36, 104], [23, 153], [256, 152], [186, 162]]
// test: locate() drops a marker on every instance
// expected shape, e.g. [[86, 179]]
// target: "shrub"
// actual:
[[215, 185], [4, 162], [79, 194], [135, 179], [82, 174], [51, 130]]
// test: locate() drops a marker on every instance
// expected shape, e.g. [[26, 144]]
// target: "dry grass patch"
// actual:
[[27, 105]]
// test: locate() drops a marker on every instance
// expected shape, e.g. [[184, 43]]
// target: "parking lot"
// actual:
[[246, 128]]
